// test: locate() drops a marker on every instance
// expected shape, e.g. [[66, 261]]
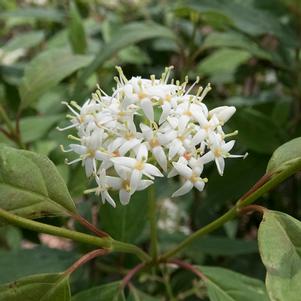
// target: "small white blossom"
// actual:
[[124, 140]]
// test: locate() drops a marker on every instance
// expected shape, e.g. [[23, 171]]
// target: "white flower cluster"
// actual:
[[148, 126]]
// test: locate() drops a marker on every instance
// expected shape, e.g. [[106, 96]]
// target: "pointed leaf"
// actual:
[[125, 223], [280, 249], [285, 155], [76, 30], [31, 186], [47, 70], [226, 285], [21, 263], [105, 292], [127, 35], [44, 287]]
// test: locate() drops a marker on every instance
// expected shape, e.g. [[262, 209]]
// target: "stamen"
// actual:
[[72, 162], [73, 138], [123, 79], [70, 108], [66, 128], [65, 150]]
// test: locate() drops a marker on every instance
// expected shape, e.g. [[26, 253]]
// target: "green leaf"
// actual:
[[226, 285], [105, 292], [76, 31], [21, 263], [280, 249], [235, 40], [44, 287], [31, 185], [35, 127], [45, 14], [25, 40], [223, 61], [127, 35], [137, 295], [46, 70], [285, 155], [125, 223], [222, 246], [256, 131], [244, 17]]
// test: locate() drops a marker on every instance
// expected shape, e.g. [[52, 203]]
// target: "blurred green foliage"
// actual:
[[53, 51]]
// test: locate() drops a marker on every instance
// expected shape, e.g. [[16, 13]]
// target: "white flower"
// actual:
[[138, 167], [124, 186], [103, 186], [223, 113], [191, 176], [176, 134], [219, 150], [154, 145]]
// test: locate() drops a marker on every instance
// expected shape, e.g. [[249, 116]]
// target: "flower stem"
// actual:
[[205, 230], [119, 246], [152, 206], [87, 257], [266, 183], [107, 243], [57, 231]]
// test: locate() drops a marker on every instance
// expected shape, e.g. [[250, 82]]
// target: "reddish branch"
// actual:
[[89, 226], [189, 267], [86, 258], [265, 178], [131, 274], [252, 208]]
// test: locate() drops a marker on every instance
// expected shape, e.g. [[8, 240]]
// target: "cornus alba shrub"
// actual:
[[145, 129]]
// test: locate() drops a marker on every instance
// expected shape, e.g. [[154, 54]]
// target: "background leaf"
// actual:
[[20, 263], [44, 287], [125, 223], [105, 292], [226, 285], [51, 66], [125, 36], [279, 245], [284, 155], [76, 30], [31, 186]]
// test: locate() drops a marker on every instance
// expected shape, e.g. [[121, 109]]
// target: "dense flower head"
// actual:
[[145, 128]]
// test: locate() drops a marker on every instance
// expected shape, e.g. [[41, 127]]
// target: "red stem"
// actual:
[[131, 274], [87, 257], [189, 267], [266, 177], [251, 208], [89, 226]]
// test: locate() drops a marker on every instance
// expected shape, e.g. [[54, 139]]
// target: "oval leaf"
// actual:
[[31, 185], [44, 287], [51, 67], [284, 155], [280, 249], [127, 35], [105, 292], [226, 285]]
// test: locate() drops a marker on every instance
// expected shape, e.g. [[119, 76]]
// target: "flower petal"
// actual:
[[148, 109], [135, 179], [125, 161], [183, 170], [220, 164], [160, 156], [124, 196], [184, 189], [151, 170]]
